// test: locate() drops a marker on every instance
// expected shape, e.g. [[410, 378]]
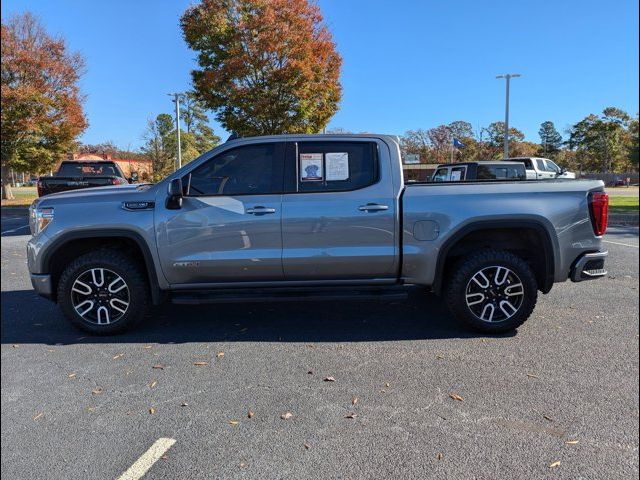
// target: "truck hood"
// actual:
[[96, 194]]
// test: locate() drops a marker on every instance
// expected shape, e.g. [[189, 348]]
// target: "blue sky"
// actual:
[[407, 64]]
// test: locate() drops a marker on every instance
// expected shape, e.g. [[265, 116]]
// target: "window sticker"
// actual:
[[337, 166], [456, 175], [311, 167]]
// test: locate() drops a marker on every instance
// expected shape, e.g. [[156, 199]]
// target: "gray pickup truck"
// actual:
[[312, 217]]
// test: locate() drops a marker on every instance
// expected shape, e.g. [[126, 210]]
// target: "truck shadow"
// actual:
[[27, 318]]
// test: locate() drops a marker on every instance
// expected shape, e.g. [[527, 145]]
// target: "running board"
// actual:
[[288, 295]]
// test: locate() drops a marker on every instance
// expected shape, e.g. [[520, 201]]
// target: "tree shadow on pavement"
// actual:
[[27, 318]]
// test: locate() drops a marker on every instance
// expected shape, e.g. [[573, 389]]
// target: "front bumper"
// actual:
[[589, 266], [42, 284]]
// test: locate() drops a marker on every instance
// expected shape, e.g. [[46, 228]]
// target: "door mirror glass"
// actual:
[[174, 194]]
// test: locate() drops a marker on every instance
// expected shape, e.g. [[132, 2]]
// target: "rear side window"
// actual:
[[501, 172], [527, 163], [336, 166], [247, 170], [540, 163]]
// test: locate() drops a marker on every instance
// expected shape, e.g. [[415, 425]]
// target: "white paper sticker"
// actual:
[[337, 166], [456, 175], [311, 167]]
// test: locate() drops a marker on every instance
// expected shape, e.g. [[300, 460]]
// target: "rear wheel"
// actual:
[[103, 292], [492, 291]]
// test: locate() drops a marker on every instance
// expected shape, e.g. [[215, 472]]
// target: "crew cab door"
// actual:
[[228, 229], [339, 212]]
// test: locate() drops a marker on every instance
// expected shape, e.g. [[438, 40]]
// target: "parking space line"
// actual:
[[148, 458], [623, 244], [15, 229]]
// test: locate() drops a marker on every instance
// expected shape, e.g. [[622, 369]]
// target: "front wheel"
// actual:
[[103, 292], [493, 291]]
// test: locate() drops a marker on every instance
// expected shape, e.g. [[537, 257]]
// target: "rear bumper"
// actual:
[[42, 285], [589, 266]]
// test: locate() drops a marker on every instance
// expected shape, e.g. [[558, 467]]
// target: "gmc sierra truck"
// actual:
[[74, 175], [312, 217]]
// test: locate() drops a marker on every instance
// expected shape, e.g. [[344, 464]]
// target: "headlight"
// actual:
[[39, 218]]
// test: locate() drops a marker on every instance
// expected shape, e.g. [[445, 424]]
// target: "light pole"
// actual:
[[176, 98], [508, 77]]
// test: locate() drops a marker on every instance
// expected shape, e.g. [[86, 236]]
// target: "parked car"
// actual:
[[312, 217], [479, 171], [543, 168], [74, 175]]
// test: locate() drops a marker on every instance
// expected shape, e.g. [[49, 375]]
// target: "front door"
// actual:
[[339, 212], [228, 229]]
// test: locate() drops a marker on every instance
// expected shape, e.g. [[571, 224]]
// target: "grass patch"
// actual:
[[23, 197], [623, 205]]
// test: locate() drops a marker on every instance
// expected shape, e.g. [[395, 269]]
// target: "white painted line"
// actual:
[[623, 244], [148, 458], [15, 229]]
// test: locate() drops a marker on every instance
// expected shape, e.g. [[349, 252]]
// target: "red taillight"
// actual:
[[40, 188], [599, 209], [115, 181]]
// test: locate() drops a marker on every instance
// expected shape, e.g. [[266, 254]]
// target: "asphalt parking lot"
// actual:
[[564, 388]]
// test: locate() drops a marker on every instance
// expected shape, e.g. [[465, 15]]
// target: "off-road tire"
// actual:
[[460, 281], [117, 263]]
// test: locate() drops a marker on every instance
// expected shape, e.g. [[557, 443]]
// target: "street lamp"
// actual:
[[508, 77], [176, 98]]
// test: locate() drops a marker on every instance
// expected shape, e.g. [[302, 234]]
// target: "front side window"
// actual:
[[336, 166], [441, 175], [247, 170], [552, 167]]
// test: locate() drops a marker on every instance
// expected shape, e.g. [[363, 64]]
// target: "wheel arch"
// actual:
[[73, 244], [464, 240]]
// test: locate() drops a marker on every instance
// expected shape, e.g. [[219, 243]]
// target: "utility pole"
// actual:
[[176, 98], [508, 77]]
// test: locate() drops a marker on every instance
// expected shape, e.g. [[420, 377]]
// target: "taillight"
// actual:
[[115, 181], [40, 188], [599, 210]]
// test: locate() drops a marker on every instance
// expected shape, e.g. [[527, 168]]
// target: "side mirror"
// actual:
[[174, 194]]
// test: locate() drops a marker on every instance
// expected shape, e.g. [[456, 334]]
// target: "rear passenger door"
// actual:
[[339, 211]]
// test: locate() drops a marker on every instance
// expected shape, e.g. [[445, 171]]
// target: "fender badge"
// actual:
[[186, 264]]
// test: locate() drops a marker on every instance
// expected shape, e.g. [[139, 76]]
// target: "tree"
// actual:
[[440, 139], [461, 130], [41, 101], [157, 144], [495, 141], [196, 122], [266, 66], [601, 142], [415, 142], [633, 151], [550, 139]]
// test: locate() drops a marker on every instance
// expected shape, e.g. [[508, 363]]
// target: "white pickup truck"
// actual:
[[542, 168]]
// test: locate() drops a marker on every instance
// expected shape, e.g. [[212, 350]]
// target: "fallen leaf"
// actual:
[[72, 375], [153, 384], [158, 366], [307, 446], [40, 414], [147, 347], [165, 457], [250, 414], [354, 400], [220, 354], [200, 364], [351, 415], [439, 357], [15, 346], [546, 417], [118, 356], [555, 464], [233, 422], [387, 385], [286, 416], [440, 456], [184, 404], [572, 442], [532, 375], [152, 411], [310, 372], [329, 379], [457, 397], [97, 390]]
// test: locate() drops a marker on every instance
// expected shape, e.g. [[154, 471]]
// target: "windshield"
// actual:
[[85, 169]]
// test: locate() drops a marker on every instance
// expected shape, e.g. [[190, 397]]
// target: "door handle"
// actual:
[[372, 207], [260, 210]]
